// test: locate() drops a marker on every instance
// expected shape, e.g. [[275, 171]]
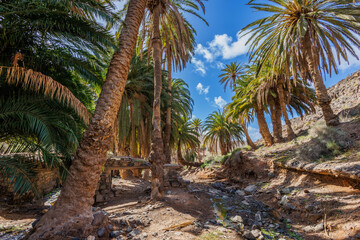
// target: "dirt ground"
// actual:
[[290, 206]]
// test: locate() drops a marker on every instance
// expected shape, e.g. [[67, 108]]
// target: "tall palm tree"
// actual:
[[158, 8], [219, 132], [231, 74], [73, 209], [305, 36]]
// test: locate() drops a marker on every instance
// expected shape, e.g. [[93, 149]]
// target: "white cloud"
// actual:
[[207, 99], [223, 46], [199, 66], [201, 50], [220, 65], [202, 90], [219, 101], [254, 133]]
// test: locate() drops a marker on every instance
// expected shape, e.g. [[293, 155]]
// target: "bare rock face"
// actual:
[[345, 101]]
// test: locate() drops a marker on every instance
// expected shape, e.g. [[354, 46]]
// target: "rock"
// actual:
[[90, 238], [319, 227], [110, 227], [257, 233], [248, 235], [99, 218], [258, 217], [289, 207], [167, 209], [134, 233], [218, 185], [271, 174], [214, 191], [35, 222], [308, 229], [115, 234], [271, 226], [237, 219], [240, 193], [284, 200], [286, 190], [101, 232], [250, 189]]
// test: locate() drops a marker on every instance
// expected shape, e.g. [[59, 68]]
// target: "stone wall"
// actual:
[[45, 181]]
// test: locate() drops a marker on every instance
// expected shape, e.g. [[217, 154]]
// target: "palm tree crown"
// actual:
[[231, 74], [304, 36], [221, 132]]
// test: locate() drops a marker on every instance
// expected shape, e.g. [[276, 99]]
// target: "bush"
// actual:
[[325, 142]]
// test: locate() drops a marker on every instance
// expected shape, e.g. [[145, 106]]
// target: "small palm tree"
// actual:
[[221, 132], [305, 36], [197, 125], [231, 74], [189, 138]]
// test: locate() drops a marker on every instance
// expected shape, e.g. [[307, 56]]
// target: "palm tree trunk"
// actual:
[[280, 89], [156, 157], [167, 150], [133, 146], [278, 117], [223, 148], [263, 127], [72, 213], [276, 131], [248, 139], [321, 92], [116, 136]]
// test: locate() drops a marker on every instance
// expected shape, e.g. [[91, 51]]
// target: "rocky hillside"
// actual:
[[345, 97]]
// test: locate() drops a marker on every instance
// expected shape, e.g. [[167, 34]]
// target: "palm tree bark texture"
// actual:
[[72, 213], [167, 133], [157, 157], [321, 92], [248, 138], [263, 127]]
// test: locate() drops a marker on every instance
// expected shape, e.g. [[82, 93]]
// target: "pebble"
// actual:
[[240, 193], [90, 238], [258, 217], [101, 232], [237, 219], [114, 234], [250, 189], [284, 200]]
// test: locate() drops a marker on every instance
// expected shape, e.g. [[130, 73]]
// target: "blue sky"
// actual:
[[218, 44]]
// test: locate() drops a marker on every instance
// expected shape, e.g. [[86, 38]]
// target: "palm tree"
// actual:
[[305, 37], [73, 209], [187, 137], [219, 132], [231, 74], [197, 125], [158, 8]]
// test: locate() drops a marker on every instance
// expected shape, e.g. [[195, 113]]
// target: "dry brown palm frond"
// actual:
[[36, 81], [16, 58]]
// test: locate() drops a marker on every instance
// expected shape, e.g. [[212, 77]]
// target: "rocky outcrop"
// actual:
[[345, 101]]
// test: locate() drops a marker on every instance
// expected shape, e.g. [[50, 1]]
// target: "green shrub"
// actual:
[[326, 142]]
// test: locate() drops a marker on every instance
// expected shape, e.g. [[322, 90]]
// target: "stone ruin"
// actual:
[[133, 166]]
